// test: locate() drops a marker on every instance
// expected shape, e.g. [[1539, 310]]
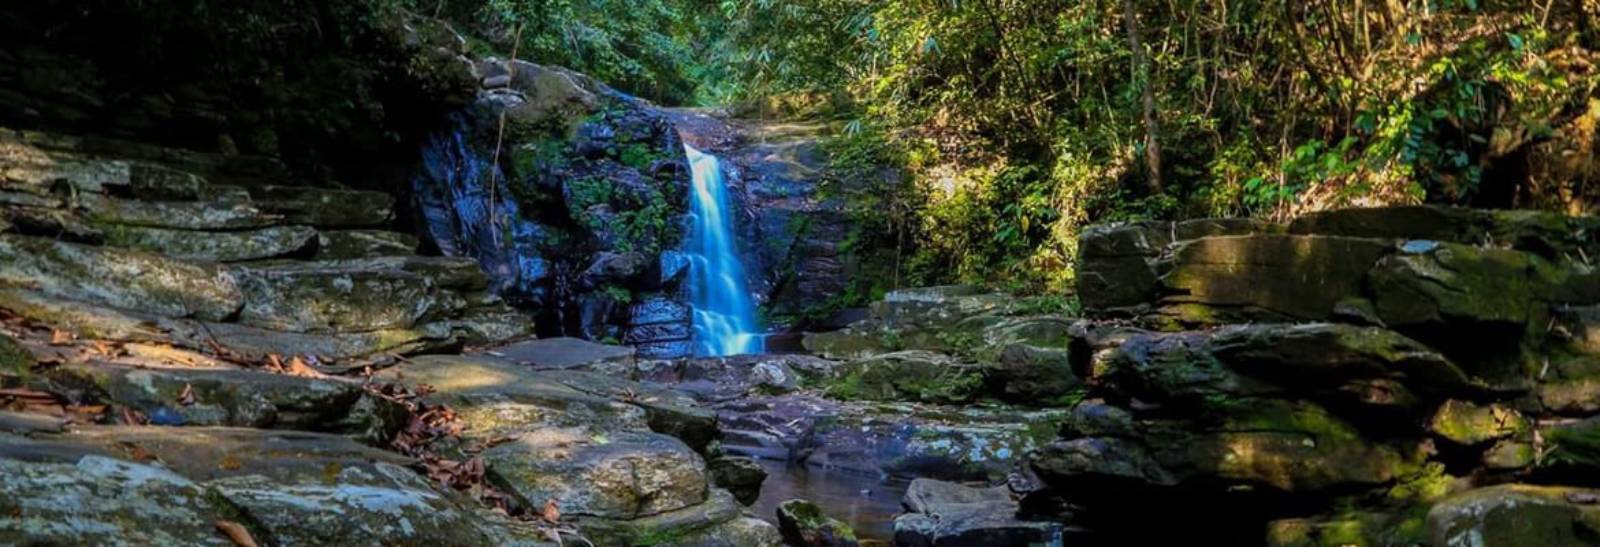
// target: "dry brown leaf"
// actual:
[[236, 533], [298, 367], [60, 337], [551, 513]]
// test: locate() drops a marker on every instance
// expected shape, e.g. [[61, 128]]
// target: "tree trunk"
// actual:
[[1141, 75]]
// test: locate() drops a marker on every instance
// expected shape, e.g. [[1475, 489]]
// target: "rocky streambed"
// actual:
[[203, 349]]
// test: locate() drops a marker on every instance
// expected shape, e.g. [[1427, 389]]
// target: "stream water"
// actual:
[[867, 504], [724, 316]]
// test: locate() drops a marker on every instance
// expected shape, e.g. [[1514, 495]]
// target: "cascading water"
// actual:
[[724, 316]]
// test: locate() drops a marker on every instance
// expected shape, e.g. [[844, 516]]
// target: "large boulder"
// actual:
[[1514, 515], [1219, 279], [341, 296], [622, 475]]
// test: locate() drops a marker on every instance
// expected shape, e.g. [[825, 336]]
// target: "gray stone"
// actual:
[[1514, 515], [565, 353], [180, 215], [942, 514], [335, 296], [622, 475], [103, 501], [326, 208], [343, 244], [232, 246], [119, 278]]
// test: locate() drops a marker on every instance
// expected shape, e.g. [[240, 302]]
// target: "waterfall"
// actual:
[[724, 317]]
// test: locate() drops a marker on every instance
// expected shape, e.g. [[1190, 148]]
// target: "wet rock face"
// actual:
[[576, 216]]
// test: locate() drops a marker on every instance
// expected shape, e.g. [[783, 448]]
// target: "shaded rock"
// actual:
[[1353, 528], [1310, 354], [50, 223], [845, 344], [1291, 446], [948, 514], [936, 306], [219, 396], [739, 532], [1117, 267], [149, 181], [1461, 283], [178, 215], [24, 423], [1545, 233], [712, 523], [117, 278], [1219, 279], [344, 244], [233, 246], [1031, 375], [325, 208], [566, 353], [1514, 515], [803, 524], [741, 476]]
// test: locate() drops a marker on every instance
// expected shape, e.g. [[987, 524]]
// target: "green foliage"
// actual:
[[652, 48]]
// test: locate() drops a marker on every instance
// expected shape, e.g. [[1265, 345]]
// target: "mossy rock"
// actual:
[[803, 524], [1468, 424], [16, 362], [1514, 515], [919, 376], [1351, 529]]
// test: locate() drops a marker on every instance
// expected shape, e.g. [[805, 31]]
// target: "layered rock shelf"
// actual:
[[188, 352], [1359, 377]]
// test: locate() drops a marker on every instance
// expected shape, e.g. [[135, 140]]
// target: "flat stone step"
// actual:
[[233, 246], [565, 353], [119, 278], [326, 208], [182, 215]]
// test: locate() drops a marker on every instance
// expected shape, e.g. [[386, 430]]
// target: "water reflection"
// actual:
[[867, 504]]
